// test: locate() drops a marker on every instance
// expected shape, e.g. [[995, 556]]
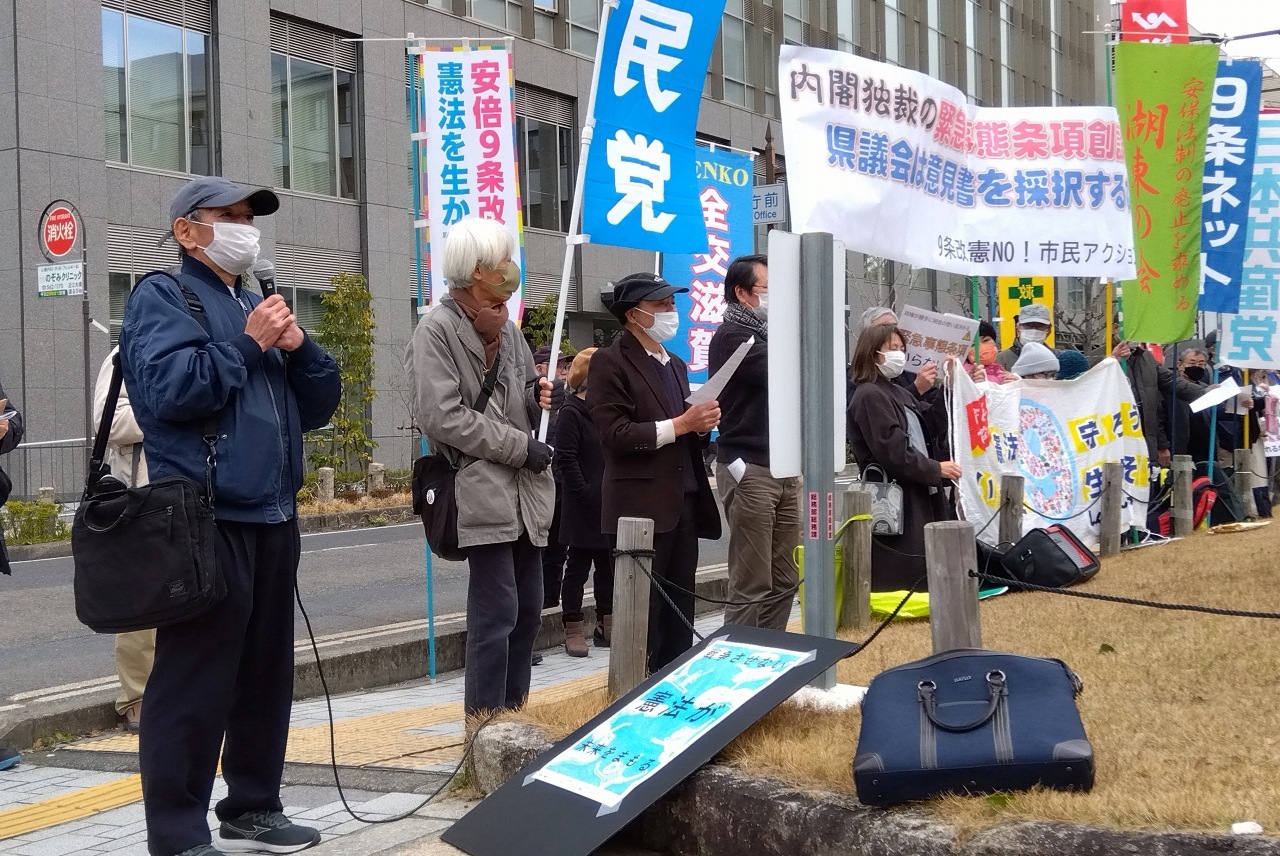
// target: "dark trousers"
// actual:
[[675, 561], [575, 580], [553, 558], [504, 614], [223, 680]]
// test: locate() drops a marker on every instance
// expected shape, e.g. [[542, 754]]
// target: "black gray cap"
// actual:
[[214, 191], [634, 287]]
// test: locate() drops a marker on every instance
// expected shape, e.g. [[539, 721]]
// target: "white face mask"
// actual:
[[894, 363], [762, 310], [234, 247], [1030, 335], [665, 325]]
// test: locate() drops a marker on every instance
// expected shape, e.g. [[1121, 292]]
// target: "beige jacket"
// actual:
[[497, 499], [126, 437]]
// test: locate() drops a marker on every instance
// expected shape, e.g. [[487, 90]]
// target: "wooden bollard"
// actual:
[[1180, 507], [1243, 482], [324, 483], [628, 658], [855, 608], [950, 553], [1011, 509], [1112, 499]]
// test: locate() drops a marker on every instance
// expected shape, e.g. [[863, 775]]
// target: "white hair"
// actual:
[[475, 241], [873, 315]]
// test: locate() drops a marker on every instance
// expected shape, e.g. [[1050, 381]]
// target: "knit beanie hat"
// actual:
[[1035, 358]]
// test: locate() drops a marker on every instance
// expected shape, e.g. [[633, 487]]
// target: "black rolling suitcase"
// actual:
[[1052, 557], [971, 721]]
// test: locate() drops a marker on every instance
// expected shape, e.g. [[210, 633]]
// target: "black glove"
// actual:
[[557, 394], [539, 457]]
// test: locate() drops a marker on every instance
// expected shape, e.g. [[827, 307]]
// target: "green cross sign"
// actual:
[[1026, 292]]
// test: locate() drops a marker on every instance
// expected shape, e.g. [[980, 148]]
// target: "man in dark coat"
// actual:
[[1152, 384], [11, 430], [653, 444], [763, 512]]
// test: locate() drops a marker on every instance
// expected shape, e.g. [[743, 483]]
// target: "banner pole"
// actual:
[[977, 316], [1109, 291], [1213, 417], [415, 121], [574, 236]]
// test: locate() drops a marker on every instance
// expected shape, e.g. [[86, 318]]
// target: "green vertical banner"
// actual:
[[1163, 93]]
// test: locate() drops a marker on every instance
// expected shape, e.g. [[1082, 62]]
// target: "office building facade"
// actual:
[[115, 105]]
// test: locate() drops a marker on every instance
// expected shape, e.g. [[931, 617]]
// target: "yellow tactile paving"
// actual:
[[82, 803], [380, 739], [377, 740]]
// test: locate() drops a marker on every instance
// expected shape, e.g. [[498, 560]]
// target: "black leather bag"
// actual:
[[435, 498], [1052, 557], [986, 721], [145, 556]]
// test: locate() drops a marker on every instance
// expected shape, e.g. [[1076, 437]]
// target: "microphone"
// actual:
[[265, 273]]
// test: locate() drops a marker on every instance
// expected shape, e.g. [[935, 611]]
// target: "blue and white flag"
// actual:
[[641, 186], [1228, 178], [724, 194]]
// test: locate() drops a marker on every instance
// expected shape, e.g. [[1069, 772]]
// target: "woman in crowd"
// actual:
[[580, 467], [891, 428], [504, 490]]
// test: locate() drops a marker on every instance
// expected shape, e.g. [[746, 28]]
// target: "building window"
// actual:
[[500, 13], [584, 26], [155, 76], [314, 110], [545, 148], [737, 71], [309, 274], [132, 254]]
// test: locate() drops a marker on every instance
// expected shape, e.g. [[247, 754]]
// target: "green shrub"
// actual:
[[34, 523]]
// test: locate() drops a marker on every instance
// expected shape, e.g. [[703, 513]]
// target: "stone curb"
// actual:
[[721, 812], [308, 524], [352, 668]]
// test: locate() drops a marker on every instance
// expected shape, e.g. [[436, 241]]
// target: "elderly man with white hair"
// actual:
[[476, 397]]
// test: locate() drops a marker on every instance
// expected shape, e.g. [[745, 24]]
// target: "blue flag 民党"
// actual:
[[724, 181], [1228, 179], [641, 186]]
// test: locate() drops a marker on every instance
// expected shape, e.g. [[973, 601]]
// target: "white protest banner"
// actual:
[[468, 125], [1249, 337], [897, 164], [1056, 435], [932, 337]]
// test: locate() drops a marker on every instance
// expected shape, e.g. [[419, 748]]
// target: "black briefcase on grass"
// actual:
[[1053, 557], [971, 721]]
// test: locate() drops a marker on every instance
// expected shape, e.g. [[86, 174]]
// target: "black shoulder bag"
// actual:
[[434, 477], [145, 556]]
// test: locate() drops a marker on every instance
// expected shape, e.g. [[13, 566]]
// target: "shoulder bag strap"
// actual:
[[488, 385], [209, 425], [104, 425]]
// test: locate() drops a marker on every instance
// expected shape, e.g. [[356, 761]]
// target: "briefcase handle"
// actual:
[[996, 687], [136, 497]]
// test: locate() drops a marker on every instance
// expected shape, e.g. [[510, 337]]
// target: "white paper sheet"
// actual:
[[1226, 390], [710, 391]]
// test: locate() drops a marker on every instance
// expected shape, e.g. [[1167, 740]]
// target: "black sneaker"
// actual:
[[200, 850], [265, 832], [537, 658]]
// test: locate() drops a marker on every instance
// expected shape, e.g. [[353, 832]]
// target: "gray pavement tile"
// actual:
[[121, 817], [393, 803], [52, 831], [127, 832], [60, 845], [136, 848]]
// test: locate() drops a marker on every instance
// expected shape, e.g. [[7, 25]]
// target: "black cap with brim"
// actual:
[[633, 288], [214, 191]]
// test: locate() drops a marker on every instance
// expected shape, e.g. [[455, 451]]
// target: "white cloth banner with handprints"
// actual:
[[1056, 435]]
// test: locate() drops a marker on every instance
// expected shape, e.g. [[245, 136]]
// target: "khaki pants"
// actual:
[[764, 530], [135, 652]]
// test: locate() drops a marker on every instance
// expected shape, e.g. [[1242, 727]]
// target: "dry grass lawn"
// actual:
[[1182, 708], [364, 503]]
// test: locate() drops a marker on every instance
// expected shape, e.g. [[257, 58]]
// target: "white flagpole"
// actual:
[[575, 237]]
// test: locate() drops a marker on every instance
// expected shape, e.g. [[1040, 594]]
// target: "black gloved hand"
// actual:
[[539, 457], [557, 394]]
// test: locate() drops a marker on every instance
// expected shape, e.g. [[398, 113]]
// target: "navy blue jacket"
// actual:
[[178, 376]]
